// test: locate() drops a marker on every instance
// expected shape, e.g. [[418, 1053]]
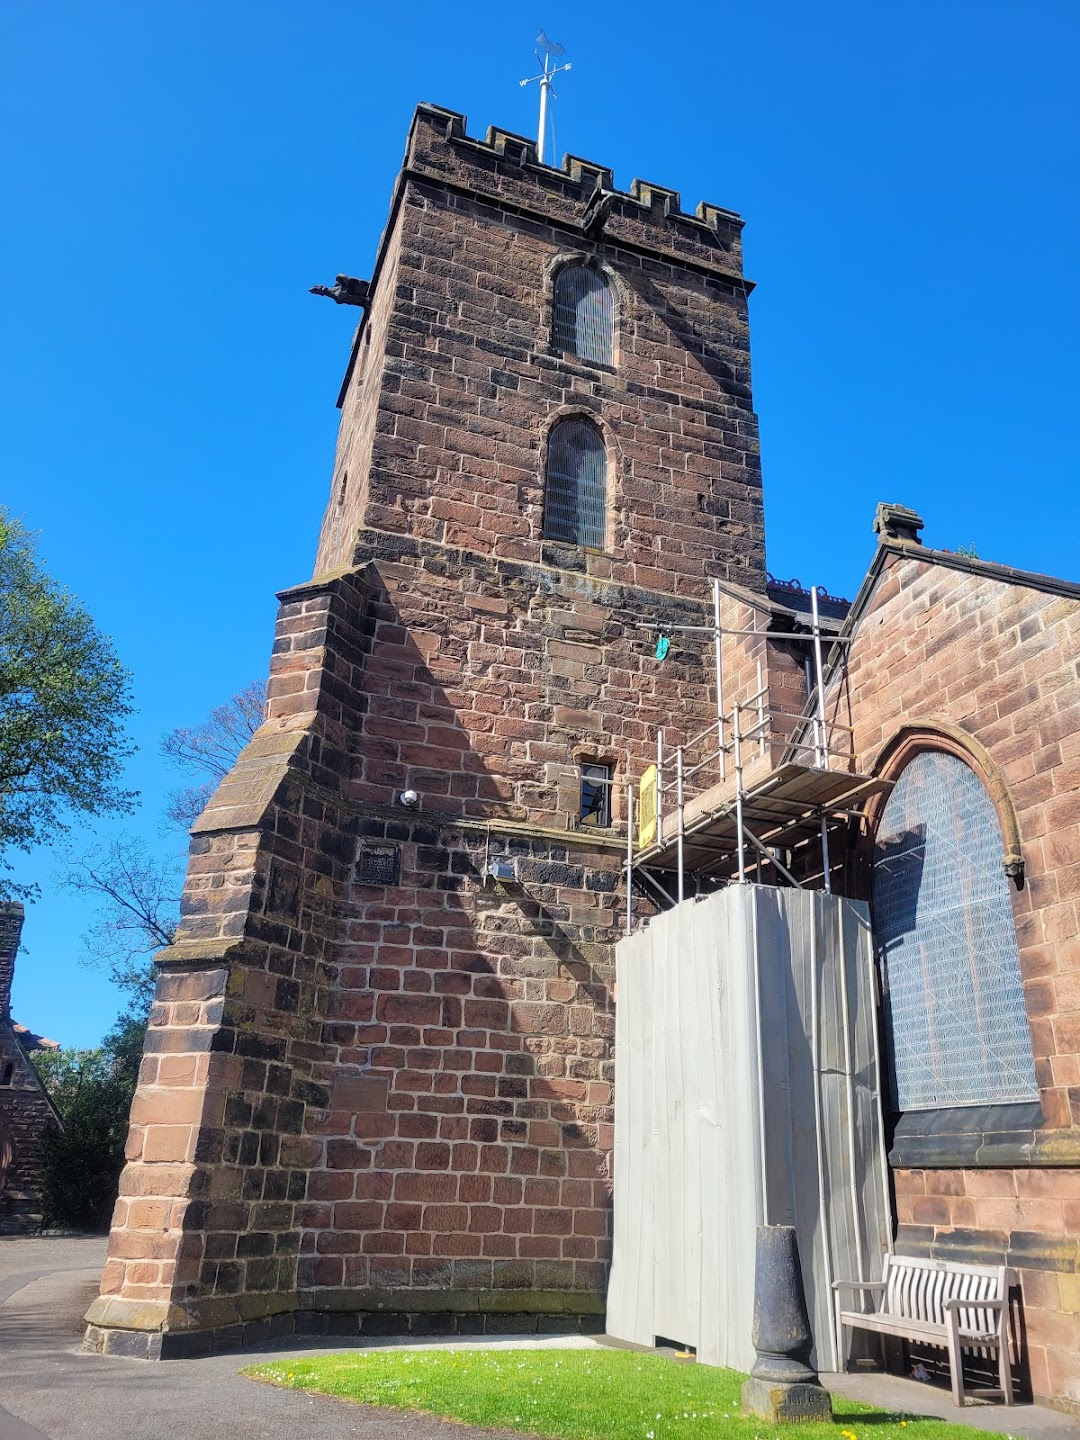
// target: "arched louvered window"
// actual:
[[584, 315], [575, 501], [946, 944]]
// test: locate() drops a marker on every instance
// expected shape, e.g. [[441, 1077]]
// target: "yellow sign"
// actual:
[[646, 833]]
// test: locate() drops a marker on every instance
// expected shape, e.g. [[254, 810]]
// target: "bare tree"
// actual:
[[138, 893], [138, 908], [210, 748]]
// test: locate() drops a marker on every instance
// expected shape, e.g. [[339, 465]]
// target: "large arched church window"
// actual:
[[584, 315], [575, 499], [946, 944]]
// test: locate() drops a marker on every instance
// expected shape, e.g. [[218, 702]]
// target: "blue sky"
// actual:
[[177, 174]]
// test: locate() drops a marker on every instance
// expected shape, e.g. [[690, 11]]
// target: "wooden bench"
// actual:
[[964, 1307]]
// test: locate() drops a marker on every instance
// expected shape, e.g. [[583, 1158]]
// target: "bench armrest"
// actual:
[[973, 1305], [859, 1284]]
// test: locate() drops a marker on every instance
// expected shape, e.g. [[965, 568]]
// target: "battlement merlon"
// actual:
[[503, 168]]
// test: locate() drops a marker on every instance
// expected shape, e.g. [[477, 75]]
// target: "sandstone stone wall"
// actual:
[[953, 648], [387, 1103], [470, 382]]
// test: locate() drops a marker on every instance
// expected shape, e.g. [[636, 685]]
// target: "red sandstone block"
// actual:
[[1025, 1214], [375, 1185], [434, 1188], [518, 1220], [990, 1184], [1040, 1289], [167, 1107], [1048, 1184], [148, 1214], [553, 1220], [397, 1155], [360, 1215], [457, 1245], [332, 1184], [141, 1245], [167, 1143]]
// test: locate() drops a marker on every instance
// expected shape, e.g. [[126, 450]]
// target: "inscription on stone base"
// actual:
[[792, 1404]]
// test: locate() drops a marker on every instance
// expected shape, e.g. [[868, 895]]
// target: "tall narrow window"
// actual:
[[584, 315], [596, 782], [575, 503], [946, 943]]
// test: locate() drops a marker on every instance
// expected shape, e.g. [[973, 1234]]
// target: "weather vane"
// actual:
[[547, 52]]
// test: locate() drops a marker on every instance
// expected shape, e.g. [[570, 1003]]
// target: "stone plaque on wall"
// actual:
[[379, 865]]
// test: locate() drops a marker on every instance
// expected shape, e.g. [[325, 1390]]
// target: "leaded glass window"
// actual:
[[584, 315], [575, 503], [946, 944]]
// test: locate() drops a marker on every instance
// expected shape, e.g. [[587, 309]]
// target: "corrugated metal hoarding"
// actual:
[[746, 1090]]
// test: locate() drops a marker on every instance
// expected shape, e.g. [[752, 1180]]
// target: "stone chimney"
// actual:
[[11, 923], [897, 522]]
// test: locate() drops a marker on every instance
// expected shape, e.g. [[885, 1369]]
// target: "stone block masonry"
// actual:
[[26, 1114], [976, 656], [455, 380], [377, 1088]]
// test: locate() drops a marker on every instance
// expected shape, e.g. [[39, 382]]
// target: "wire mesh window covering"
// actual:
[[575, 502], [584, 315], [946, 944]]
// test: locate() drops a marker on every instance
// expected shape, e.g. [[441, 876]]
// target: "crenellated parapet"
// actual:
[[503, 168]]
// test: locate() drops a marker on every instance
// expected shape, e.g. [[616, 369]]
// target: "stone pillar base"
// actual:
[[786, 1404]]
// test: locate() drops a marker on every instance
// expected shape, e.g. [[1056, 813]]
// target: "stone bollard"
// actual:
[[782, 1386]]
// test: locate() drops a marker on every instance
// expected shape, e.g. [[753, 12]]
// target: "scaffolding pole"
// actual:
[[826, 866], [718, 649], [679, 802], [629, 856], [736, 737]]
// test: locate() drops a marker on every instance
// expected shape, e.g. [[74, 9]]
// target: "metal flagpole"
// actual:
[[551, 52]]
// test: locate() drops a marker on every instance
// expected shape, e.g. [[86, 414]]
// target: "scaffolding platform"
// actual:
[[783, 809]]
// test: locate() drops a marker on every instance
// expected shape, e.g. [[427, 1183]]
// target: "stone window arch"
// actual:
[[945, 940], [575, 483], [583, 314]]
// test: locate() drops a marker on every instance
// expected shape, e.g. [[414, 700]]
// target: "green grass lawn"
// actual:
[[578, 1395]]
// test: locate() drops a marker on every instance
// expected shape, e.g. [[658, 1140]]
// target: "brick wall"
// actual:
[[25, 1113], [961, 650]]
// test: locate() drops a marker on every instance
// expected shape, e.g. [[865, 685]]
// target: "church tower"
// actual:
[[377, 1088]]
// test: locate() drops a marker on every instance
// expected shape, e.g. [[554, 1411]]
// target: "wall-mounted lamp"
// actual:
[[500, 869]]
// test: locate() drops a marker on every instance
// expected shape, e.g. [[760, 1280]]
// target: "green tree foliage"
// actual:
[[63, 700], [92, 1092]]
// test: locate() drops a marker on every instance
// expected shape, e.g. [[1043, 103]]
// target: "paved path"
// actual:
[[50, 1390]]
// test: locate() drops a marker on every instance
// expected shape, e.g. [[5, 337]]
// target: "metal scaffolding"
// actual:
[[707, 816]]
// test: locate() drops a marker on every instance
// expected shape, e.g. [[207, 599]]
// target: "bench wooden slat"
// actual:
[[912, 1329]]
